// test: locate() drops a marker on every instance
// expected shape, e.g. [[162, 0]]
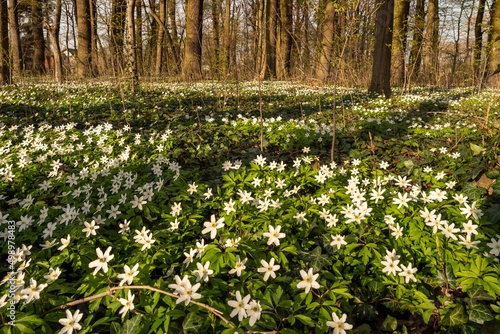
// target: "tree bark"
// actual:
[[5, 75], [494, 51], [117, 29], [191, 67], [38, 61], [399, 36], [139, 50], [53, 32], [381, 70], [285, 38], [216, 34], [478, 41], [431, 49], [227, 37], [160, 37], [268, 68], [323, 66], [84, 50], [418, 37], [15, 39], [176, 49], [131, 47]]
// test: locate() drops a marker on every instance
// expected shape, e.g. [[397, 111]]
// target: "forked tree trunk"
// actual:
[[53, 32], [15, 39], [381, 70], [5, 77]]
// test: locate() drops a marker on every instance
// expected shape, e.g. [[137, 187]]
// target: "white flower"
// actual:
[[53, 275], [495, 246], [238, 266], [402, 200], [128, 304], [268, 268], [102, 260], [188, 292], [203, 271], [397, 231], [467, 242], [470, 228], [33, 291], [64, 242], [337, 240], [90, 229], [274, 235], [449, 230], [240, 306], [229, 207], [391, 266], [129, 274], [71, 322], [408, 273], [339, 325], [471, 210], [212, 226], [254, 312], [124, 227], [308, 280]]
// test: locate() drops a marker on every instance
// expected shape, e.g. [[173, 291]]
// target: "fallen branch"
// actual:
[[112, 290]]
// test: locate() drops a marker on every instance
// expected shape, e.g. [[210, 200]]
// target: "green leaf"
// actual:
[[131, 326], [479, 313], [115, 328], [390, 324], [305, 320], [472, 191], [476, 149], [363, 329], [316, 260], [457, 316], [478, 293], [193, 324], [493, 214]]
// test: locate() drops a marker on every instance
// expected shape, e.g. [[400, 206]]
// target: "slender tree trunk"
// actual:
[[160, 37], [15, 39], [493, 66], [84, 50], [399, 36], [381, 70], [227, 37], [431, 50], [191, 67], [139, 22], [478, 41], [38, 38], [418, 37], [53, 32], [176, 48], [5, 76], [131, 47], [118, 9], [259, 37], [285, 38], [323, 66], [216, 34]]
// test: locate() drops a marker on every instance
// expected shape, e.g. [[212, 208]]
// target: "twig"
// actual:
[[112, 290]]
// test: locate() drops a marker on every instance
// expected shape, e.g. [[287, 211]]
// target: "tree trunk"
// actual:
[[216, 34], [53, 32], [418, 37], [38, 61], [399, 35], [94, 38], [285, 38], [268, 69], [478, 42], [15, 39], [84, 50], [160, 37], [381, 70], [431, 50], [118, 9], [176, 48], [131, 47], [494, 51], [227, 37], [323, 66], [139, 51], [5, 77], [191, 67]]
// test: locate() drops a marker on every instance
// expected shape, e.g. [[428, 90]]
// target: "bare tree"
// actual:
[[5, 77], [478, 41], [381, 70], [117, 29], [131, 46], [431, 48], [284, 39], [418, 37], [327, 32], [494, 47], [38, 61]]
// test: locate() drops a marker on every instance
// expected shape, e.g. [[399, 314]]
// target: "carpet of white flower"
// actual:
[[108, 228]]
